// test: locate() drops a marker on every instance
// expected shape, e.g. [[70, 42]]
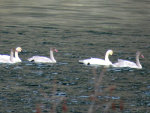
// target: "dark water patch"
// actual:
[[118, 34], [49, 43], [5, 32], [67, 83], [61, 94], [100, 33], [43, 27], [11, 26]]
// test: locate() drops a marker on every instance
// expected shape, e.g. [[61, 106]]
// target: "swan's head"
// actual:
[[54, 49], [139, 54], [110, 52], [142, 55], [18, 49]]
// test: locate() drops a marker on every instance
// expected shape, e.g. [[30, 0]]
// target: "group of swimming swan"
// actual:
[[106, 62], [14, 58]]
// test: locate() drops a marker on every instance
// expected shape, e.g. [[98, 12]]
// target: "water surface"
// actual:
[[78, 29]]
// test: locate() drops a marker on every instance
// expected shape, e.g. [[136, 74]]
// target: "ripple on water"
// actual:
[[18, 67], [61, 94], [147, 93], [124, 69], [84, 96], [109, 97], [39, 73], [74, 101]]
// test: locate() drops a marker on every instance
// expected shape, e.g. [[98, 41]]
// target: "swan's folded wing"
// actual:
[[121, 60], [40, 59], [98, 61], [4, 57], [5, 60], [124, 63]]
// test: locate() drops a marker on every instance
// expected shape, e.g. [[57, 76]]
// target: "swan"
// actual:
[[7, 58], [10, 58], [42, 59], [126, 63], [98, 61]]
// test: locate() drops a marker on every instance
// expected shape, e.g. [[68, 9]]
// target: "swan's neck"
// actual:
[[12, 55], [106, 57], [52, 56], [138, 61], [16, 56]]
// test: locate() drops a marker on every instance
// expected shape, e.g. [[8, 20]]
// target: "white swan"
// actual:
[[10, 58], [126, 63], [98, 61], [42, 59], [7, 58]]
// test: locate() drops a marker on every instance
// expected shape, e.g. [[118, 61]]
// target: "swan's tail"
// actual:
[[81, 61], [31, 59]]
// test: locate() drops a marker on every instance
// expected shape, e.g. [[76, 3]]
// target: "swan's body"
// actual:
[[10, 58], [98, 61], [126, 63], [42, 59], [7, 58]]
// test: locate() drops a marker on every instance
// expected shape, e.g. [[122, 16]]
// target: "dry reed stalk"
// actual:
[[109, 104], [96, 91], [53, 98], [38, 109]]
